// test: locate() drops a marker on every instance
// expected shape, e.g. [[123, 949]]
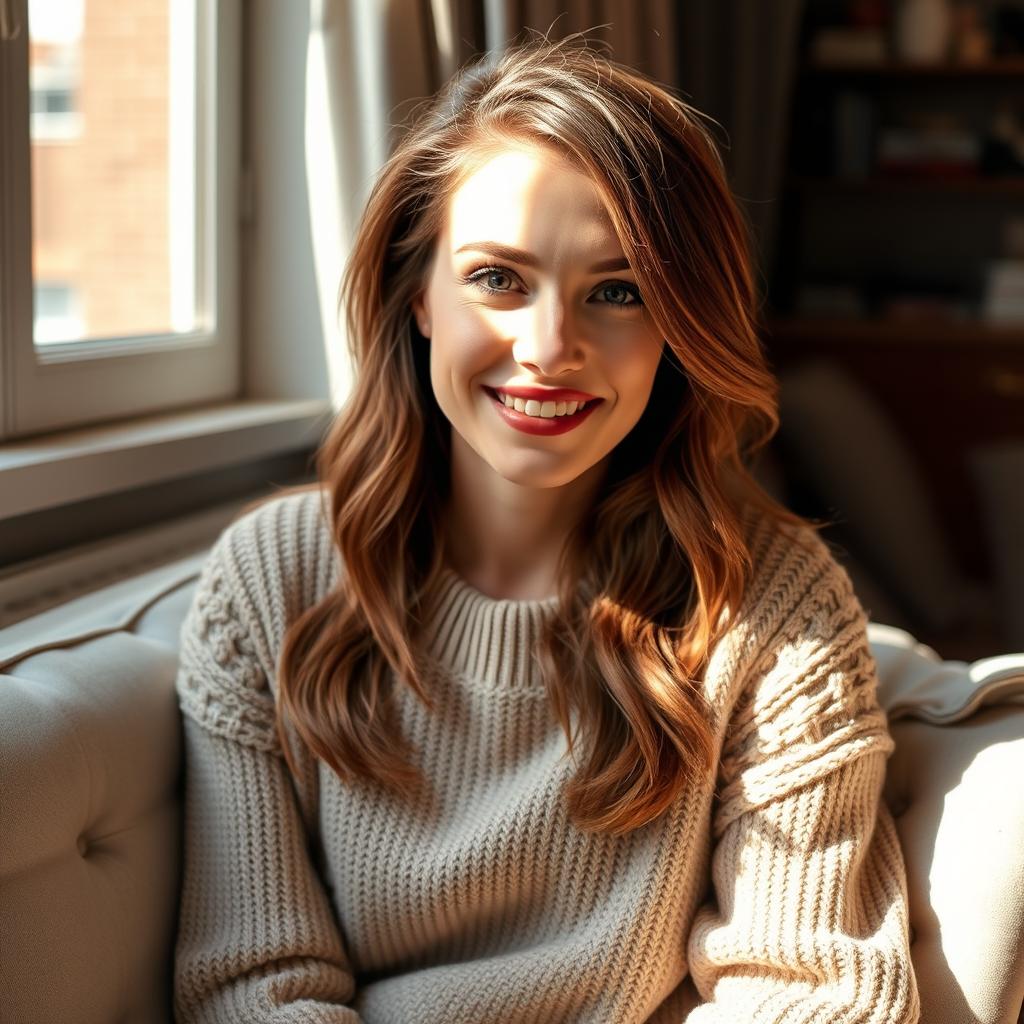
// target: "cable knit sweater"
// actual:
[[777, 894]]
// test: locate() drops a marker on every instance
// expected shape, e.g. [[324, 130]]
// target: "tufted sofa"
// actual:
[[90, 756]]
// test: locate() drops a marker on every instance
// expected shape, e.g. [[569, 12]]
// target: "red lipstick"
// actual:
[[542, 425]]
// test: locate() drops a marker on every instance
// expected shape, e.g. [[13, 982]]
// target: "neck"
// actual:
[[505, 538]]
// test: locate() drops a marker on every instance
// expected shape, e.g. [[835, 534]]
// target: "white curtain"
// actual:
[[363, 61]]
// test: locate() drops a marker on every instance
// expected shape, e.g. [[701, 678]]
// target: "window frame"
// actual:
[[63, 491], [55, 387]]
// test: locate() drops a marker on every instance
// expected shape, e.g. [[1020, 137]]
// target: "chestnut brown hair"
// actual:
[[646, 577]]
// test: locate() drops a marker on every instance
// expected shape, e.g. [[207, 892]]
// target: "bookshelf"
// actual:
[[978, 336], [880, 73], [883, 265], [837, 172]]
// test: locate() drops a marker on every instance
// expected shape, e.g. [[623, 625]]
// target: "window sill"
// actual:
[[104, 506], [70, 466], [103, 586]]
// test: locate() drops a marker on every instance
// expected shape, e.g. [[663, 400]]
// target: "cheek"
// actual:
[[464, 350], [465, 339], [634, 374]]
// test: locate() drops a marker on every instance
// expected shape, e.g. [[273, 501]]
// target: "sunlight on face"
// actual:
[[565, 311]]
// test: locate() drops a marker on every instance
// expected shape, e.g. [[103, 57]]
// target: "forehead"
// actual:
[[532, 197]]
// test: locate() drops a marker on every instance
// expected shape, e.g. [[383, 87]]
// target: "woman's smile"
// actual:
[[535, 419]]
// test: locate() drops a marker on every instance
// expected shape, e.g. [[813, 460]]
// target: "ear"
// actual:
[[421, 310]]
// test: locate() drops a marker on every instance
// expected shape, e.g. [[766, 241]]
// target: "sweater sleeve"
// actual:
[[256, 938], [807, 920]]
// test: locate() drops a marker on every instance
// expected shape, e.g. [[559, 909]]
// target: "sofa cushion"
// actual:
[[959, 814], [959, 811], [90, 755]]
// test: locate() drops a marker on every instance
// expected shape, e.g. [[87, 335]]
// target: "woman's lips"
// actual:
[[544, 425]]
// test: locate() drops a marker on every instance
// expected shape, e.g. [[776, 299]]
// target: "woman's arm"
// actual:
[[809, 920], [257, 940]]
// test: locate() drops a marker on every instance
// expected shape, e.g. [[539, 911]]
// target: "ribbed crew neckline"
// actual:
[[487, 639]]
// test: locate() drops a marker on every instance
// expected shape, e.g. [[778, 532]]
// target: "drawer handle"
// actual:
[[1008, 383]]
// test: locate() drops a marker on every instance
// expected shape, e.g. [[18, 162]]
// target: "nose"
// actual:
[[549, 345]]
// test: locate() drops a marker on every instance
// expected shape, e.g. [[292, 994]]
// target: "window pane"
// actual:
[[57, 311], [113, 127]]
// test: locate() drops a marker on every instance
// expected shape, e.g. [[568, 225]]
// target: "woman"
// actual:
[[533, 710]]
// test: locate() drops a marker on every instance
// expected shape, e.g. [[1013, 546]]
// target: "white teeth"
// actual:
[[547, 410]]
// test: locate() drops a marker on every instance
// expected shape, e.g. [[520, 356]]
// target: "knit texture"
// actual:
[[775, 896]]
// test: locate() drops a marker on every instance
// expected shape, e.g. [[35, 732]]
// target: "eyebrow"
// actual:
[[513, 255]]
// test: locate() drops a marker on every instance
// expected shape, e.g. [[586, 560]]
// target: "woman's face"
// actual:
[[529, 289]]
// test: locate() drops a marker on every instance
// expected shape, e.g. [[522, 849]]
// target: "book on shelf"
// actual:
[[839, 45]]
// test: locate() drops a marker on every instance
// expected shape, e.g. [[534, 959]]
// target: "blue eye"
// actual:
[[478, 277], [628, 289]]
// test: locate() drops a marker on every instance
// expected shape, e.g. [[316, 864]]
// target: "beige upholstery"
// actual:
[[954, 785], [90, 762], [90, 751]]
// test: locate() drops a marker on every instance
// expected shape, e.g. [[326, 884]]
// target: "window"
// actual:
[[119, 177], [57, 312], [54, 84]]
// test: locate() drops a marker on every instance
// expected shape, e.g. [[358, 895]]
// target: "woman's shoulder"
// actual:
[[796, 582], [274, 559], [278, 517], [804, 697], [264, 568]]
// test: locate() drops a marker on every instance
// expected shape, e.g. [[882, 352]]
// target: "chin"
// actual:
[[539, 479]]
